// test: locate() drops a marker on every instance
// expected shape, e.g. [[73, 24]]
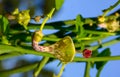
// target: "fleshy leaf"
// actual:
[[49, 4], [100, 65], [58, 4], [4, 25]]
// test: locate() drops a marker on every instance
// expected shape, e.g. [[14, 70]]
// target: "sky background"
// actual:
[[87, 8]]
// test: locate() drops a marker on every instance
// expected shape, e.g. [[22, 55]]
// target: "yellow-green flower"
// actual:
[[23, 18]]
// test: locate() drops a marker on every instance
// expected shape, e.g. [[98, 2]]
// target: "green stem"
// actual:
[[41, 27], [18, 70], [99, 71], [61, 70], [51, 39], [87, 70], [98, 32], [75, 59], [9, 55], [10, 49], [105, 44], [32, 66], [89, 38], [96, 58], [40, 66], [111, 8], [45, 20]]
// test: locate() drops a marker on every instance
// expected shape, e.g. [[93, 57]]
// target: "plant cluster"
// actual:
[[73, 37]]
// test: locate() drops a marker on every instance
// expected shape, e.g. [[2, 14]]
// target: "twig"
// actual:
[[40, 66], [111, 8], [96, 59], [87, 70]]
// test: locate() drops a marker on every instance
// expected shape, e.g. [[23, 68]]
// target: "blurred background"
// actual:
[[69, 11]]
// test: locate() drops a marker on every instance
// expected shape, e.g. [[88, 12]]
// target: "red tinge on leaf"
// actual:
[[87, 53]]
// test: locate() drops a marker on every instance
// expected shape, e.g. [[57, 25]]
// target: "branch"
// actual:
[[29, 50], [87, 69], [76, 59], [24, 68], [111, 8], [17, 51]]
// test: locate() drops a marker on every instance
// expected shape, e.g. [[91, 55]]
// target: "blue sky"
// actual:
[[91, 8]]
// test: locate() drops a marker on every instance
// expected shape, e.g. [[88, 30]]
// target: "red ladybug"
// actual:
[[87, 53]]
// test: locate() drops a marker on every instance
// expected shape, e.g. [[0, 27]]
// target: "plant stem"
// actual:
[[75, 59], [96, 58], [111, 8], [42, 25], [32, 66], [45, 20], [40, 66], [99, 71], [111, 42], [18, 70], [10, 49], [87, 69], [61, 70], [51, 39], [98, 32], [9, 55]]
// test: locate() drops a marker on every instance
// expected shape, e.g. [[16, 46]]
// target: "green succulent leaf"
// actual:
[[49, 4], [58, 4], [4, 29], [4, 25], [100, 65]]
